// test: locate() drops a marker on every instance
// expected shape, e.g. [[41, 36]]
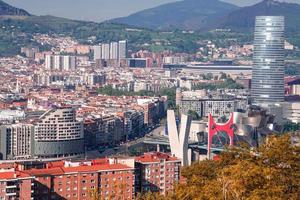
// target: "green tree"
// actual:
[[169, 92], [270, 172], [193, 114], [228, 84], [223, 76]]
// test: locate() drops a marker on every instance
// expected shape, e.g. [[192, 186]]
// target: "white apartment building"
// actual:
[[114, 51], [16, 141], [59, 134], [105, 51], [97, 52], [60, 62], [122, 49]]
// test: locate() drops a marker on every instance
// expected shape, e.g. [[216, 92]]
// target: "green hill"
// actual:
[[6, 9], [186, 14], [244, 18]]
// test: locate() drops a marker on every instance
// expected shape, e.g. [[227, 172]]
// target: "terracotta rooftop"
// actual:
[[155, 157], [67, 170], [13, 175]]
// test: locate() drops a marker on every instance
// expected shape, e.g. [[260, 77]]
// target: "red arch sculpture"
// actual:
[[214, 128]]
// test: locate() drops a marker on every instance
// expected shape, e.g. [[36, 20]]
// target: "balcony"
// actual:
[[11, 194], [11, 186]]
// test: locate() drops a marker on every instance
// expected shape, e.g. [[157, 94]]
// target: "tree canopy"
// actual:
[[271, 171], [229, 83], [169, 92]]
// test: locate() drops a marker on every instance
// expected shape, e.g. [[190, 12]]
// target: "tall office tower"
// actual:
[[122, 49], [97, 52], [114, 51], [16, 141], [58, 134], [268, 66], [105, 51]]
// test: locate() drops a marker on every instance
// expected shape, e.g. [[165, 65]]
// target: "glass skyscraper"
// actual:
[[268, 60]]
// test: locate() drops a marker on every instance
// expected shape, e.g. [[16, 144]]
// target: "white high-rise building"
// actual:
[[105, 51], [60, 63], [122, 49], [57, 63], [69, 63], [114, 50], [98, 52], [48, 62], [16, 141]]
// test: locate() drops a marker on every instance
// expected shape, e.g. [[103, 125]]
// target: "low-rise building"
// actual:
[[217, 103]]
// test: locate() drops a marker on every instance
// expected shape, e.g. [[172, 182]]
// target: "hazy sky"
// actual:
[[98, 10]]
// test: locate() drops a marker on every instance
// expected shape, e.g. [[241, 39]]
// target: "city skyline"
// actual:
[[99, 10], [193, 99]]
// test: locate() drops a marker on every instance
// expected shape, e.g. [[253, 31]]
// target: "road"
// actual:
[[124, 147]]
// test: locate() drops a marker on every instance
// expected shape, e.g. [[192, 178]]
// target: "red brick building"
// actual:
[[74, 181], [16, 186], [157, 172], [113, 178]]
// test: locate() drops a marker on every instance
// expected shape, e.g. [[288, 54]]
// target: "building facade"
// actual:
[[16, 141], [60, 62], [16, 185], [157, 172], [107, 178], [268, 68], [82, 180], [218, 104], [122, 49], [58, 134]]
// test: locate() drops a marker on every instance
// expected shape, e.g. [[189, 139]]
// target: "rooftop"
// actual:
[[155, 157], [67, 167]]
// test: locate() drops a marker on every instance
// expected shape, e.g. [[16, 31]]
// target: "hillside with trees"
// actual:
[[271, 172]]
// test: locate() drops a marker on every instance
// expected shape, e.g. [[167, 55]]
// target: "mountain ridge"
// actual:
[[246, 15], [184, 14], [232, 17], [6, 9]]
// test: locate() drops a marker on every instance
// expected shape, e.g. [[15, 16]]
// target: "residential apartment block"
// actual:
[[106, 178]]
